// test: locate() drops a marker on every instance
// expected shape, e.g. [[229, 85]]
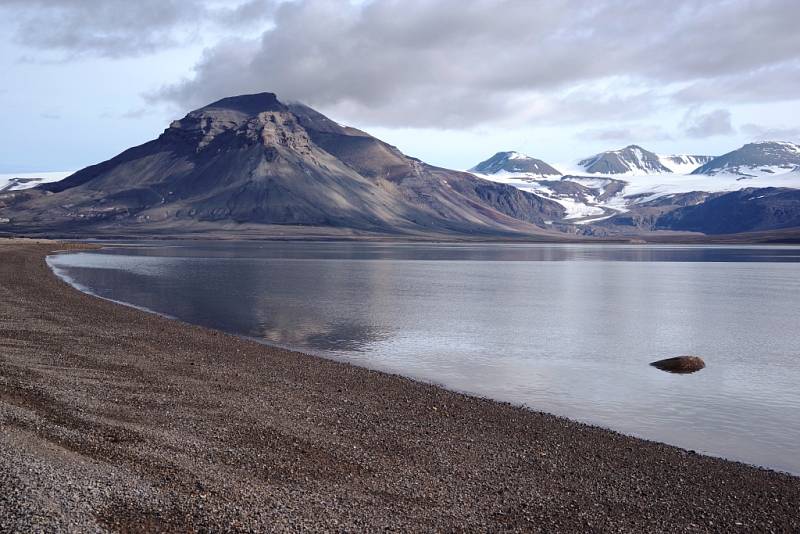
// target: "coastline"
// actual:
[[118, 419]]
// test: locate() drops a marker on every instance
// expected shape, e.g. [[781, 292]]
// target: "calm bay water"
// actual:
[[567, 329]]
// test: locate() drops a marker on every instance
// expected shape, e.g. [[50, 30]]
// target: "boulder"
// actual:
[[680, 364]]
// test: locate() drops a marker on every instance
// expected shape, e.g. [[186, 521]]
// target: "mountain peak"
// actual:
[[250, 105], [251, 160], [755, 158], [632, 159], [515, 162], [201, 126]]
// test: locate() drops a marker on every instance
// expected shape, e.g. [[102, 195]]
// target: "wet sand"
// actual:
[[115, 419]]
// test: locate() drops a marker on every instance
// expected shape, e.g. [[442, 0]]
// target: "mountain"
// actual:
[[684, 163], [755, 159], [747, 210], [514, 162], [252, 164], [632, 159]]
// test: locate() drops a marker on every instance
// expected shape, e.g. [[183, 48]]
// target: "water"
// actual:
[[567, 329]]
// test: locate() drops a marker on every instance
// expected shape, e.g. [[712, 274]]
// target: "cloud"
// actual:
[[135, 113], [122, 28], [766, 133], [445, 64], [636, 133], [713, 123], [777, 82], [422, 63]]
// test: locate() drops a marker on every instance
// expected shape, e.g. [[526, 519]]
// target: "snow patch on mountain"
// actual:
[[19, 181], [684, 163]]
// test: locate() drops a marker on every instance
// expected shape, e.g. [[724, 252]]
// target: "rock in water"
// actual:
[[680, 364]]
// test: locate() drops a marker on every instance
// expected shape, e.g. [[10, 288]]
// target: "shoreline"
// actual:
[[784, 236], [119, 419]]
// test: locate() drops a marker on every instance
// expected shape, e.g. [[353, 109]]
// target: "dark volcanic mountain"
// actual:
[[255, 165], [758, 158], [514, 162], [632, 158]]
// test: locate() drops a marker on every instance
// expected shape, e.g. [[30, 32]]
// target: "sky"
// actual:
[[448, 81]]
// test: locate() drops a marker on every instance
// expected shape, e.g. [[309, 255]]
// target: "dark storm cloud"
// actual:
[[447, 63]]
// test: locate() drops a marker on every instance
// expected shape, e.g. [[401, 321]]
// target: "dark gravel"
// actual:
[[115, 419]]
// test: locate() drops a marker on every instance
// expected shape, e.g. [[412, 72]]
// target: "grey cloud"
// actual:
[[717, 122], [773, 82], [440, 64], [249, 12], [121, 28]]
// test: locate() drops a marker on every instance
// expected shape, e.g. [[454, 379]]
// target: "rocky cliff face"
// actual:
[[254, 162]]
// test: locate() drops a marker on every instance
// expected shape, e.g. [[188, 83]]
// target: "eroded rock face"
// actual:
[[680, 364]]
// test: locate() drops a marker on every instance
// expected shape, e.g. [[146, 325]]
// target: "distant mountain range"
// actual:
[[633, 191], [254, 166]]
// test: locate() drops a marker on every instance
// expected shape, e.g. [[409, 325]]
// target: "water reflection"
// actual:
[[569, 329]]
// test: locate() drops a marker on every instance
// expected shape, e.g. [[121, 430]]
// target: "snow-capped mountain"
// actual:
[[514, 162], [19, 181], [755, 159], [632, 159], [644, 185], [684, 163]]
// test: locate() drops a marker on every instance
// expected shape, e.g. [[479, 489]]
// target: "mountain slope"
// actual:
[[754, 159], [632, 159], [516, 163], [684, 163], [256, 162], [740, 211]]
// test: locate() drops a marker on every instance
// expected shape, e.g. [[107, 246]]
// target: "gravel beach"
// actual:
[[118, 420]]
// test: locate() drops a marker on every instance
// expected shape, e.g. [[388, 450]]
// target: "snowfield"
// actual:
[[641, 188], [20, 180]]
